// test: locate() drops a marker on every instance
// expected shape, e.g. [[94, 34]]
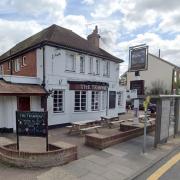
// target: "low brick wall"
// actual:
[[59, 153], [102, 141]]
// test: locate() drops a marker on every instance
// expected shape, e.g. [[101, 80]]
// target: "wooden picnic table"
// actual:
[[82, 126], [108, 119]]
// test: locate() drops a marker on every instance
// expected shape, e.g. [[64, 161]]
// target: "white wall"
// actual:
[[157, 70], [57, 77], [8, 108]]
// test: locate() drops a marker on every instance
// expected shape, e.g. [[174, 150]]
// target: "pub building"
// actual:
[[59, 71]]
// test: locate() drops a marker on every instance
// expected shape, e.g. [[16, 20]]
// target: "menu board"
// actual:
[[31, 123]]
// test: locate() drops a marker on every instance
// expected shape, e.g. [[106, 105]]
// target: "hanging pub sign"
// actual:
[[88, 86], [138, 58]]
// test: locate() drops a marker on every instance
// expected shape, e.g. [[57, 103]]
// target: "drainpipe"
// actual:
[[107, 103], [44, 71]]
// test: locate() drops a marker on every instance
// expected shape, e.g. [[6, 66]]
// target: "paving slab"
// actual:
[[115, 152]]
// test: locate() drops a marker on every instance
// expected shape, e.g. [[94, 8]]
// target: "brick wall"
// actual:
[[29, 69], [57, 155]]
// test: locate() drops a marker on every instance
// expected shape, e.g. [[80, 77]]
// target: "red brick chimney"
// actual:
[[93, 38]]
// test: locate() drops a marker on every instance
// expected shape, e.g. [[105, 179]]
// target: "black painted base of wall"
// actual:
[[6, 130], [58, 126]]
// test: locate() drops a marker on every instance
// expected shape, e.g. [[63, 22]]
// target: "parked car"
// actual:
[[152, 108]]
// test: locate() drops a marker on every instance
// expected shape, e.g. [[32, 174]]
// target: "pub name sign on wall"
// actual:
[[87, 87], [138, 58]]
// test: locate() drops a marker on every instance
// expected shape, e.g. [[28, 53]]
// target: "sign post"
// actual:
[[32, 124], [145, 104]]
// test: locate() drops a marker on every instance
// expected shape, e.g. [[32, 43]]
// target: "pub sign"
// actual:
[[138, 58]]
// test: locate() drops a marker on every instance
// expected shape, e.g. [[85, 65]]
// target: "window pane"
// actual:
[[58, 101]]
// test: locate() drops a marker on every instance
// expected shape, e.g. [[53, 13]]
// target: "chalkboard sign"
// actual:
[[31, 123], [138, 58]]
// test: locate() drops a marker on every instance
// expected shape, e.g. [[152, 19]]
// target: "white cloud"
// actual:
[[52, 9], [12, 32]]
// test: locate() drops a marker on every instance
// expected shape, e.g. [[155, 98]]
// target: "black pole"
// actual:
[[17, 134], [46, 120]]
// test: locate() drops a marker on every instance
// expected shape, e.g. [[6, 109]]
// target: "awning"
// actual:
[[13, 89]]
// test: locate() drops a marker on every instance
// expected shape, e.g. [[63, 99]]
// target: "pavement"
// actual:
[[121, 161]]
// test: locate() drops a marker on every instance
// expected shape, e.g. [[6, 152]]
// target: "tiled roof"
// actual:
[[65, 38], [10, 89]]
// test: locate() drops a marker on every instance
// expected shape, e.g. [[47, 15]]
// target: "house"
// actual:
[[159, 74], [60, 72]]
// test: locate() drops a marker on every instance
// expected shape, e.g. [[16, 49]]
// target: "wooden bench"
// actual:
[[115, 122], [89, 128]]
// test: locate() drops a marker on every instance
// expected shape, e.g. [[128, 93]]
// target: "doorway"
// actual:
[[23, 104]]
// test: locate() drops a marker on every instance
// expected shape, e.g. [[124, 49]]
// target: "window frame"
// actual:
[[106, 68], [17, 67], [90, 65], [95, 100], [120, 98], [1, 69], [82, 59], [97, 66], [74, 62], [58, 98], [23, 61], [80, 101]]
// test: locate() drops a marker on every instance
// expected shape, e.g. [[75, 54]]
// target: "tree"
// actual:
[[158, 87]]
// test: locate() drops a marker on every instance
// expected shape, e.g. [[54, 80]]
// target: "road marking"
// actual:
[[157, 174]]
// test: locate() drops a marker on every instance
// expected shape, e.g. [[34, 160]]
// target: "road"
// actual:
[[166, 169]]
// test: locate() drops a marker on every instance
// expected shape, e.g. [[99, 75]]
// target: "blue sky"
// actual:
[[121, 23]]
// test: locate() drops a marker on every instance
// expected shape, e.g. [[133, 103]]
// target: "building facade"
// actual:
[[159, 74], [79, 79]]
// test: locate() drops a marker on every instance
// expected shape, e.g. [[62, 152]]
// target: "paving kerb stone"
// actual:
[[152, 163]]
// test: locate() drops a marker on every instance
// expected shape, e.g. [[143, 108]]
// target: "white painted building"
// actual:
[[81, 79], [159, 72]]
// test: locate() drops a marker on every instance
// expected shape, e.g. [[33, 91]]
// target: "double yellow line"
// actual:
[[157, 174]]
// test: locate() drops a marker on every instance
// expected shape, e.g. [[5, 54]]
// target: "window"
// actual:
[[9, 65], [1, 70], [97, 66], [58, 101], [82, 64], [95, 101], [80, 101], [106, 68], [120, 98], [17, 65], [104, 100], [70, 62], [112, 99], [90, 65], [23, 61]]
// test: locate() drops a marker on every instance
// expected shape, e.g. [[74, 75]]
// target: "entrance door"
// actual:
[[24, 103]]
